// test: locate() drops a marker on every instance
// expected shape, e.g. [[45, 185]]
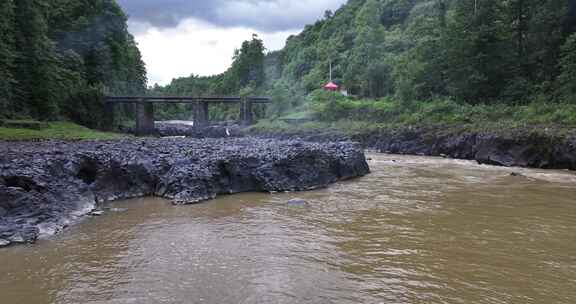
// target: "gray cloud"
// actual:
[[262, 15]]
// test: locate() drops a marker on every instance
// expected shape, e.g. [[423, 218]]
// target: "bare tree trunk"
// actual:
[[521, 28], [475, 7]]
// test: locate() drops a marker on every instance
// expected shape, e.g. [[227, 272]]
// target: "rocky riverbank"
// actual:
[[534, 148], [45, 186], [175, 128]]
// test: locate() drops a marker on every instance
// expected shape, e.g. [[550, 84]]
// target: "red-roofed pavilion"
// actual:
[[331, 86]]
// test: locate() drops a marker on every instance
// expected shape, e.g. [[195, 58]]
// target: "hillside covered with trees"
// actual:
[[58, 56], [399, 60], [476, 51], [411, 54]]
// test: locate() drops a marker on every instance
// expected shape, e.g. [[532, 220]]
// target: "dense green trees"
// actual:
[[37, 69], [58, 56], [567, 78], [473, 51], [248, 66], [474, 44], [7, 56], [469, 51]]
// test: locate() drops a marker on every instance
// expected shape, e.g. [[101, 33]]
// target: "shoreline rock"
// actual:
[[516, 149], [187, 129], [46, 186]]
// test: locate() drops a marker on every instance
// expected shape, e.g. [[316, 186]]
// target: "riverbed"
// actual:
[[416, 230]]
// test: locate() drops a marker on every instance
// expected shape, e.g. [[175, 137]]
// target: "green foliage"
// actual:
[[37, 69], [248, 66], [55, 55], [415, 61], [86, 107], [567, 78], [475, 52], [56, 130], [285, 98], [442, 111], [7, 56]]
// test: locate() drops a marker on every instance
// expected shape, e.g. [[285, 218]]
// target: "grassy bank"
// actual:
[[333, 107], [358, 130], [335, 113], [52, 130]]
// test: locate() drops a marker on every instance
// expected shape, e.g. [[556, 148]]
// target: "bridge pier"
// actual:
[[200, 114], [109, 122], [200, 108], [144, 118], [246, 117]]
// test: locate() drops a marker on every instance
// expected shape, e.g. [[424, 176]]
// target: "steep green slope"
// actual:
[[466, 52], [475, 51], [58, 56]]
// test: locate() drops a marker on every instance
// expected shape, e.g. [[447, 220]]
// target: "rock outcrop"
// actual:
[[45, 186], [221, 130], [511, 148]]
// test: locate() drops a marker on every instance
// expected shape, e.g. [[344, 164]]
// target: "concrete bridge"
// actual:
[[200, 106]]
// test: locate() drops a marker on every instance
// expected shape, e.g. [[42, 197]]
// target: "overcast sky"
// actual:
[[182, 37]]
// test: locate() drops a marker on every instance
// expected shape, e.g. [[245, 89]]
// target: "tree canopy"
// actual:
[[471, 51], [57, 56], [475, 51]]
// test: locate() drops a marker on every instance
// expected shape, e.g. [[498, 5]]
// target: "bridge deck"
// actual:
[[185, 99]]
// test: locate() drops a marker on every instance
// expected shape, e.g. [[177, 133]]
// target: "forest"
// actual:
[[475, 51], [397, 58], [58, 57], [408, 60]]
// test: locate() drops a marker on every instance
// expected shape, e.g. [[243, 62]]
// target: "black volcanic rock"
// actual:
[[215, 130], [45, 186], [520, 148]]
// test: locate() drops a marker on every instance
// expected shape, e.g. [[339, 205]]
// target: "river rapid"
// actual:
[[416, 230]]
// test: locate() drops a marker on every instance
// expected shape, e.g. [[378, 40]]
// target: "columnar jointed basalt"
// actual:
[[44, 186]]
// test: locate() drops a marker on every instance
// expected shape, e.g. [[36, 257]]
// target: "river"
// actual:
[[416, 230]]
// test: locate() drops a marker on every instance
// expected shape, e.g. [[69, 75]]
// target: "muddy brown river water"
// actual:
[[417, 230]]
